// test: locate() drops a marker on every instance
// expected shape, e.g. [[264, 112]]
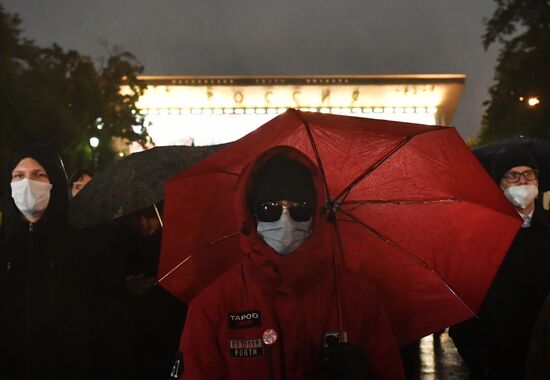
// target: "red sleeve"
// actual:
[[202, 358]]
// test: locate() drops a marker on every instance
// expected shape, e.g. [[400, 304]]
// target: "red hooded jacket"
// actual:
[[296, 296]]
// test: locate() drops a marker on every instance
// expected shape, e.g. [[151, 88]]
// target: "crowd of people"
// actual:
[[78, 304], [84, 304]]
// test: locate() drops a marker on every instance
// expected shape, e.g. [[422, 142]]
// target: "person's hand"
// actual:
[[344, 360]]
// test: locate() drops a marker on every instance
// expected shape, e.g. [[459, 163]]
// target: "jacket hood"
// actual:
[[299, 267], [57, 206]]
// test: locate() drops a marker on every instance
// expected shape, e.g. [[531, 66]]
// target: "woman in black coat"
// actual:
[[43, 291]]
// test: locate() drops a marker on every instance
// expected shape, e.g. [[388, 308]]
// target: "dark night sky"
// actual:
[[280, 37]]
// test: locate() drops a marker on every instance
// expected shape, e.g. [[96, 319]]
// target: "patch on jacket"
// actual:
[[244, 319], [250, 348]]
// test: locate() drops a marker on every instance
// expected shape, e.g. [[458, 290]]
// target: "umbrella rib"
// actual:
[[216, 170], [402, 201], [410, 255], [331, 210], [369, 170], [225, 171], [193, 254], [315, 151]]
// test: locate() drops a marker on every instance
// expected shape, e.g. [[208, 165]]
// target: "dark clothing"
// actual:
[[538, 357], [44, 321], [43, 314], [137, 323], [157, 324], [495, 345], [110, 327], [156, 317]]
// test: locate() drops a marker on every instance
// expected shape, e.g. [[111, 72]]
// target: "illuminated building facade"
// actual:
[[212, 110]]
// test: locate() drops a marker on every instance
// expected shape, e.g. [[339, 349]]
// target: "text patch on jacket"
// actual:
[[246, 348], [244, 319]]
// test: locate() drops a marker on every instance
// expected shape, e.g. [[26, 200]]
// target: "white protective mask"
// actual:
[[31, 197], [521, 196], [285, 235]]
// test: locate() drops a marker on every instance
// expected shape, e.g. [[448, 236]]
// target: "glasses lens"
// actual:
[[530, 175], [512, 177], [269, 211], [272, 211], [300, 211]]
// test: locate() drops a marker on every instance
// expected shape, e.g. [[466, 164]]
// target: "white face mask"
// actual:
[[521, 196], [31, 197], [285, 235]]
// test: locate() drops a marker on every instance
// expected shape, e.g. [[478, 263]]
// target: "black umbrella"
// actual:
[[540, 148], [133, 183]]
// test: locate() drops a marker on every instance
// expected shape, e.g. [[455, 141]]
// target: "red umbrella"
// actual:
[[414, 210]]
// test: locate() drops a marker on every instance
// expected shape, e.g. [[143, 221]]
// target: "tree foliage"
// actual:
[[60, 97], [521, 73]]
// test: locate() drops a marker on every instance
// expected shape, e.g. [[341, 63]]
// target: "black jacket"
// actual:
[[43, 286], [495, 345], [137, 325], [538, 357]]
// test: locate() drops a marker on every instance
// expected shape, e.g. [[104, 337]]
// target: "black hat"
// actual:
[[281, 178], [509, 157], [79, 174]]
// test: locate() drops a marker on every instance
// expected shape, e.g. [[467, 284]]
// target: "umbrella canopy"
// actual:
[[540, 148], [132, 183], [412, 207]]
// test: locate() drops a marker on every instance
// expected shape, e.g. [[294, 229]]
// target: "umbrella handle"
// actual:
[[158, 215], [338, 299], [336, 266]]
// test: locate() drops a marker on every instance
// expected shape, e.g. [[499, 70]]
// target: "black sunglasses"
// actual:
[[272, 211]]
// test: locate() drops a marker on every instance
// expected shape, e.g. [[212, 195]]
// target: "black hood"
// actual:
[[57, 206]]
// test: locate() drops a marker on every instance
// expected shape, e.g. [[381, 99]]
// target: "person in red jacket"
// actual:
[[275, 314]]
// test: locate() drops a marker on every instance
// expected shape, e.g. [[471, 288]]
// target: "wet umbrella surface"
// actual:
[[133, 183], [412, 208]]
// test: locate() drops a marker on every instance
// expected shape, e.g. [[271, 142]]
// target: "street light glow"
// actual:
[[533, 101], [94, 142]]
